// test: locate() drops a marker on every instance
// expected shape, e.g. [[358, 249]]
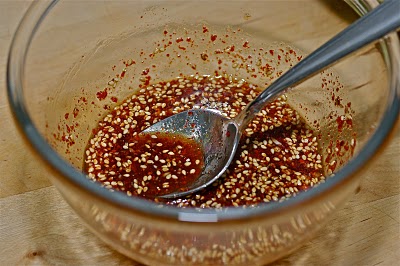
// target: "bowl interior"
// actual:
[[81, 64]]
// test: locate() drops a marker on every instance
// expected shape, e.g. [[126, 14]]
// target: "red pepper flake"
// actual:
[[145, 71], [338, 101], [213, 37], [75, 112], [204, 56], [145, 80], [83, 99], [193, 66], [205, 29], [101, 95], [246, 44], [349, 122], [342, 121], [114, 99], [66, 116], [129, 62]]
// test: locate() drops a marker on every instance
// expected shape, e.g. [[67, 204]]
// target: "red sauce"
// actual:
[[277, 157], [157, 163]]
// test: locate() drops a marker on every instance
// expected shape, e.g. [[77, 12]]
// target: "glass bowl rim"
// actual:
[[25, 33]]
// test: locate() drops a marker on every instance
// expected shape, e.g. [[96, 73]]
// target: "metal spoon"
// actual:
[[219, 136]]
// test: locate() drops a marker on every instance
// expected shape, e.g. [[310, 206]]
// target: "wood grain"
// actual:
[[20, 170], [37, 227]]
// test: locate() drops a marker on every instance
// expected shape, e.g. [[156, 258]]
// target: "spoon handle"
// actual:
[[382, 20]]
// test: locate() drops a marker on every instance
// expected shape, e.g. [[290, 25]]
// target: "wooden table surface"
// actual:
[[38, 228]]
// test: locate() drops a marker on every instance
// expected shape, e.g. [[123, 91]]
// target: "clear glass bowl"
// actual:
[[65, 53]]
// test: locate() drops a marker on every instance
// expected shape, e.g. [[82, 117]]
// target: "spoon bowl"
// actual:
[[218, 136]]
